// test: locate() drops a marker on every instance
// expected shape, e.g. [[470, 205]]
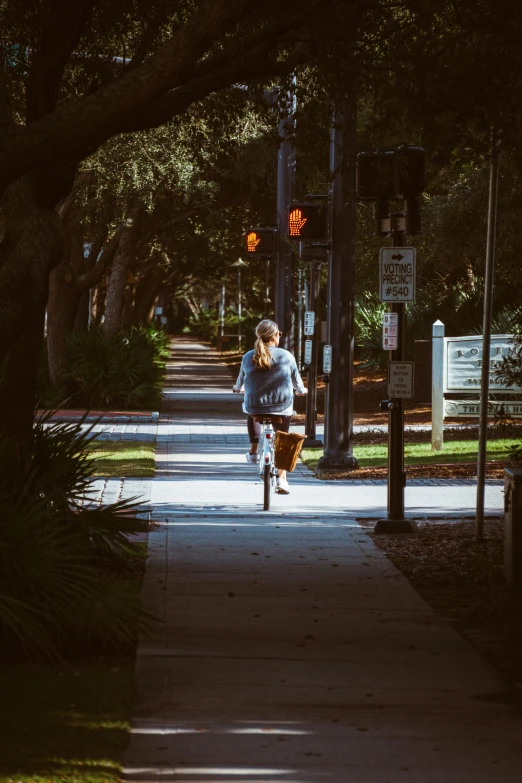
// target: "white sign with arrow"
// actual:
[[397, 274]]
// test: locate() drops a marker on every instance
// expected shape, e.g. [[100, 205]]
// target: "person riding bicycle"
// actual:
[[269, 376]]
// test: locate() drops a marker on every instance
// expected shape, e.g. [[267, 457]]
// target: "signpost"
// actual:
[[384, 175], [397, 272], [311, 358], [397, 285]]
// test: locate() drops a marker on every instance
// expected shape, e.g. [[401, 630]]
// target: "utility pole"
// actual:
[[396, 473], [486, 333], [239, 263], [299, 318], [222, 312], [285, 257], [311, 397], [338, 427], [267, 287]]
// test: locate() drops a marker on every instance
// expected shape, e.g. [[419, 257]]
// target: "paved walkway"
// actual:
[[286, 646]]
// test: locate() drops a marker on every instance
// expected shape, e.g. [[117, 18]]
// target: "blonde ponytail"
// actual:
[[265, 333]]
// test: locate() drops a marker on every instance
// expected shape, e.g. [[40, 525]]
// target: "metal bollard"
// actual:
[[513, 527]]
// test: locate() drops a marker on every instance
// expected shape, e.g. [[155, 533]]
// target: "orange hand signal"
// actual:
[[252, 242], [296, 221]]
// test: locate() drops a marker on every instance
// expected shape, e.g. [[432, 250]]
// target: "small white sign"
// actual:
[[397, 274], [390, 331], [158, 311], [309, 322], [511, 408], [400, 380], [327, 359], [308, 352], [389, 342]]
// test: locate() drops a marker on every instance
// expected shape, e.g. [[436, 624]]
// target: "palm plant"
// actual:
[[368, 330], [66, 569], [125, 371]]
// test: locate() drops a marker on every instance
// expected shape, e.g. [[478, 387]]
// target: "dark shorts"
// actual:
[[254, 427]]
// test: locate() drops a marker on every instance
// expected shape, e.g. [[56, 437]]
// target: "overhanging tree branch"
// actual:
[[77, 129]]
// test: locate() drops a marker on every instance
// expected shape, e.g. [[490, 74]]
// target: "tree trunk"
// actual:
[[128, 307], [146, 292], [18, 393], [31, 247], [98, 303], [24, 275], [61, 313], [114, 298], [82, 314]]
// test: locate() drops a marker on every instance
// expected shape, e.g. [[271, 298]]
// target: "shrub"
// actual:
[[368, 330], [125, 371], [67, 572]]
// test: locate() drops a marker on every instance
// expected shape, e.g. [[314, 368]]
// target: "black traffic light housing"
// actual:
[[409, 171], [261, 241], [375, 175], [307, 222], [393, 174]]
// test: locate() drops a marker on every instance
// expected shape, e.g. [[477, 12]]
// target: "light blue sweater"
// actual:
[[270, 391]]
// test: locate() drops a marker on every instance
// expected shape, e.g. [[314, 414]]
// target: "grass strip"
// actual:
[[66, 723], [123, 458], [375, 455]]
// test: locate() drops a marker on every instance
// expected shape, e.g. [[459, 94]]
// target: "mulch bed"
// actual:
[[463, 581], [449, 470]]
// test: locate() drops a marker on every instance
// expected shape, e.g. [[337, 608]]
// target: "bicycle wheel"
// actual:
[[267, 487]]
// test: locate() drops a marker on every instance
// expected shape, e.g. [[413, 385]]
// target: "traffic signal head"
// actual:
[[391, 174], [307, 222], [375, 175], [410, 171], [260, 241]]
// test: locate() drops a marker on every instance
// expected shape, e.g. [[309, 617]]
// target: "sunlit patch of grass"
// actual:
[[375, 455], [123, 458]]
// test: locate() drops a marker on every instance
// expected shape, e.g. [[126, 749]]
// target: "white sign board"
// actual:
[[309, 322], [390, 331], [158, 310], [397, 274], [464, 359], [308, 352], [400, 380], [456, 408], [327, 359]]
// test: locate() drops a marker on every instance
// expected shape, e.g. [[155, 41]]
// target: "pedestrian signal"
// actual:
[[260, 241], [307, 222]]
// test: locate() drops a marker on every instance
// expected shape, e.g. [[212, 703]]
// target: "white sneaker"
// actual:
[[282, 487], [252, 458]]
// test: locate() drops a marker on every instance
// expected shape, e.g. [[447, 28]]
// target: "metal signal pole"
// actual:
[[338, 427], [285, 259], [395, 521], [486, 332], [311, 397]]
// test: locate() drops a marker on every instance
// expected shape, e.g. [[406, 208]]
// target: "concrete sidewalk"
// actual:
[[287, 647]]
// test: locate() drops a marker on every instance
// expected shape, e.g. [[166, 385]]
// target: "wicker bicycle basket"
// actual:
[[288, 446]]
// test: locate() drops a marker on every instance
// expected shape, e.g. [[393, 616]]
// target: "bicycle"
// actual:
[[267, 469]]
